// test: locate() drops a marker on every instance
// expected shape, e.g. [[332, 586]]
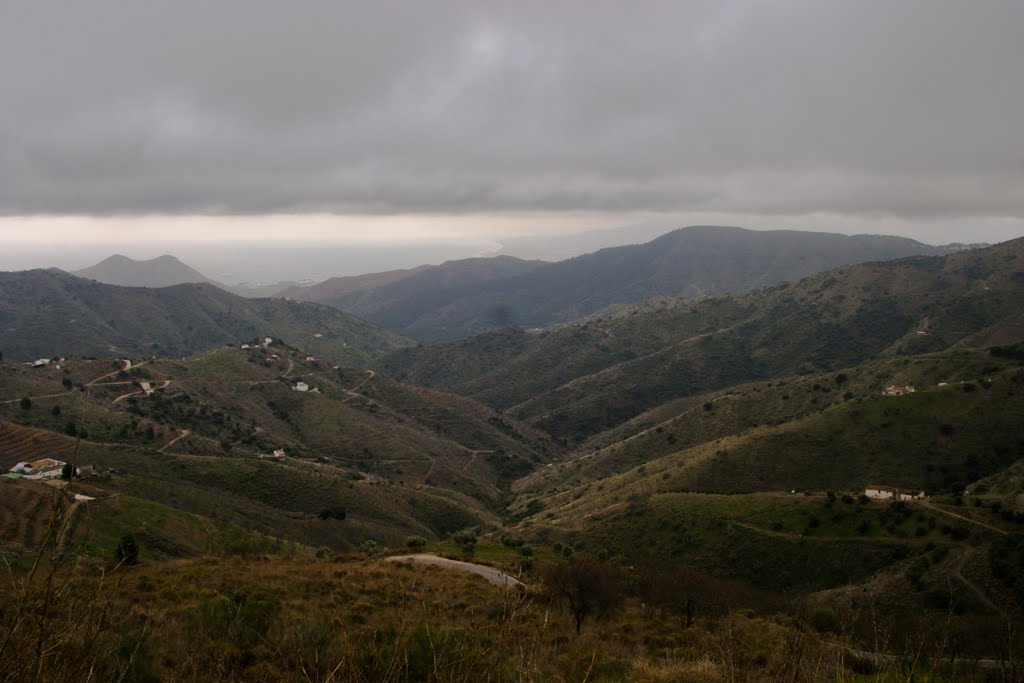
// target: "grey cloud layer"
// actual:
[[788, 106]]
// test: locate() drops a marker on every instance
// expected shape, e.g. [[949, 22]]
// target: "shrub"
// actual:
[[466, 540], [369, 547], [127, 550], [823, 619], [333, 512], [415, 542]]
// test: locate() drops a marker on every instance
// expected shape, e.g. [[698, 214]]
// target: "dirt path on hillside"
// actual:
[[970, 584], [111, 374], [813, 537], [495, 576], [885, 658], [184, 433], [33, 398], [961, 517], [352, 393]]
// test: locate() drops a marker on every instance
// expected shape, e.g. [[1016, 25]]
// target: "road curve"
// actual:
[[498, 578]]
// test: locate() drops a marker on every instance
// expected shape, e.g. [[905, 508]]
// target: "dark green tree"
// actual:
[[127, 550], [466, 540]]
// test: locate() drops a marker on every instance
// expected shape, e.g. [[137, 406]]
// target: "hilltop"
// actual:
[[49, 313]]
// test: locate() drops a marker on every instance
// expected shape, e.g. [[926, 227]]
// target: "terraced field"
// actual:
[[19, 444], [24, 510]]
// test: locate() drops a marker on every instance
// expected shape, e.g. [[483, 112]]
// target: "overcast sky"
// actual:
[[125, 120]]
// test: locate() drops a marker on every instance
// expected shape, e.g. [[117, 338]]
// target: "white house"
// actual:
[[246, 346], [894, 390], [47, 468], [267, 341], [311, 358], [892, 493], [301, 386], [41, 362]]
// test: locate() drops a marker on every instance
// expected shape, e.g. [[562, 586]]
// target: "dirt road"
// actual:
[[498, 578]]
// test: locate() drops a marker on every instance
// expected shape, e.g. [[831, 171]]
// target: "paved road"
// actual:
[[498, 578]]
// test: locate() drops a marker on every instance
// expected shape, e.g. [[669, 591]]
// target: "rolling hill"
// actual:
[[50, 313], [188, 434], [464, 297], [581, 379]]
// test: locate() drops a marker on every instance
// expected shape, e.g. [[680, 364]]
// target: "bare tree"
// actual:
[[587, 586]]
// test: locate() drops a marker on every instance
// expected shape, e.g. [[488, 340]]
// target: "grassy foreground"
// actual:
[[352, 618]]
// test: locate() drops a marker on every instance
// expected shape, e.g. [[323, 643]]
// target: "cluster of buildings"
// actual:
[[894, 390], [267, 341]]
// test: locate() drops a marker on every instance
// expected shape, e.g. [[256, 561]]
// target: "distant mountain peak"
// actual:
[[163, 271]]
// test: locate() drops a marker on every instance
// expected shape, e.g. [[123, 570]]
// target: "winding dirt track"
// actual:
[[498, 578]]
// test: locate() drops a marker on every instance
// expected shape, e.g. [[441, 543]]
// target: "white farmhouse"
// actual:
[[892, 493], [301, 386]]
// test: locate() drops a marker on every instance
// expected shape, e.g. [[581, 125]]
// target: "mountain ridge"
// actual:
[[691, 262], [51, 313]]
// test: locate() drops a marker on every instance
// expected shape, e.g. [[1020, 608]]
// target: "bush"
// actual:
[[369, 547], [127, 550], [415, 542], [466, 540], [333, 512], [26, 403], [823, 620]]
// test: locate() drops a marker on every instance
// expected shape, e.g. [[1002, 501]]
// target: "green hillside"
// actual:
[[396, 460], [579, 380], [48, 313]]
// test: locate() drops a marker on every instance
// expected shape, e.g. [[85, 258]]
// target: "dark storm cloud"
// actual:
[[911, 108]]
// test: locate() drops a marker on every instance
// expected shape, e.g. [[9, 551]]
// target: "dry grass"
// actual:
[[357, 619]]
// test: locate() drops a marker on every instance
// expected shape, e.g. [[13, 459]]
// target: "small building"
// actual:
[[301, 386], [246, 346], [892, 493], [894, 390], [46, 468], [42, 362], [311, 359], [267, 341]]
